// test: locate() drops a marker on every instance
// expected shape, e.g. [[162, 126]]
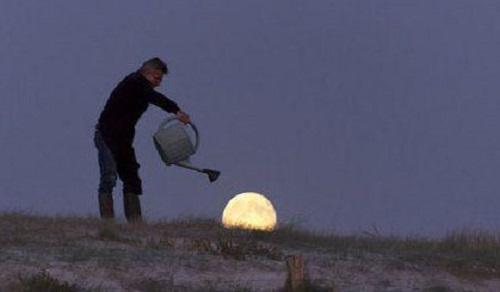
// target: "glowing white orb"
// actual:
[[249, 211]]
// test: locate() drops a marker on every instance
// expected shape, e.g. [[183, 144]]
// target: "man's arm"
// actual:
[[160, 100]]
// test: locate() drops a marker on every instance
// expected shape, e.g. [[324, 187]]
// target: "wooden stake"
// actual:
[[295, 281]]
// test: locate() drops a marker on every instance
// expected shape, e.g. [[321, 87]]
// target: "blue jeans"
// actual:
[[107, 165]]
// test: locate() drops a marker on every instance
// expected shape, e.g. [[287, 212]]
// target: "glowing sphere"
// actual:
[[249, 211]]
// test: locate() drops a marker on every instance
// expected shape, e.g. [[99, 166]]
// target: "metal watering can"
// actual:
[[176, 146]]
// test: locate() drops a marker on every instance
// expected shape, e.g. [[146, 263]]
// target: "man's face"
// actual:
[[154, 77]]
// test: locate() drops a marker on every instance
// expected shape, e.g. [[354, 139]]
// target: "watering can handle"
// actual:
[[193, 126]]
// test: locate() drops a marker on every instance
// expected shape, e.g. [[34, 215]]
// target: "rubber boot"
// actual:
[[106, 206], [132, 207]]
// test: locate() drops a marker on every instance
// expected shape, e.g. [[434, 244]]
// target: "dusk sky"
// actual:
[[348, 115]]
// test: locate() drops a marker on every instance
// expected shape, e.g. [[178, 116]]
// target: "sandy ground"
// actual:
[[152, 260]]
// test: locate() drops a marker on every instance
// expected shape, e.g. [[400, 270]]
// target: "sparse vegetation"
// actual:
[[153, 285], [203, 245], [467, 253], [107, 232], [42, 282], [241, 250], [309, 286], [437, 289]]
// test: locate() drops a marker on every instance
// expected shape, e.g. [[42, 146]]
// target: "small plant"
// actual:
[[220, 284], [229, 248], [241, 250], [162, 243], [43, 282], [203, 246], [437, 288], [153, 285], [308, 286], [107, 232]]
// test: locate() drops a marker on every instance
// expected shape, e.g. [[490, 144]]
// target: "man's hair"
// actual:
[[155, 64]]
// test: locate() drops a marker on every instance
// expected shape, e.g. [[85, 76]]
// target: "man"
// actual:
[[114, 135]]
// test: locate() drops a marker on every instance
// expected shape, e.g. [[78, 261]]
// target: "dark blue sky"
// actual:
[[345, 114]]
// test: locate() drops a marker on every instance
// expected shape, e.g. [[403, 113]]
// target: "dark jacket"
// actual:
[[128, 101]]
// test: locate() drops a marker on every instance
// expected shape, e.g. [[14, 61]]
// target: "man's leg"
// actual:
[[108, 176], [128, 170], [132, 207]]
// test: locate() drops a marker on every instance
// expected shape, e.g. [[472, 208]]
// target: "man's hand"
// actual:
[[183, 117]]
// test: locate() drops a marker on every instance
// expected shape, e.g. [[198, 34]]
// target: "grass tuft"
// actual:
[[42, 282], [107, 232], [153, 285]]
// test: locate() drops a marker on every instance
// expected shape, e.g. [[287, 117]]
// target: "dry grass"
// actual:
[[41, 282], [466, 254]]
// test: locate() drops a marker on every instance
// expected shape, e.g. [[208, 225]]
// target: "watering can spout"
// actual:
[[212, 174]]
